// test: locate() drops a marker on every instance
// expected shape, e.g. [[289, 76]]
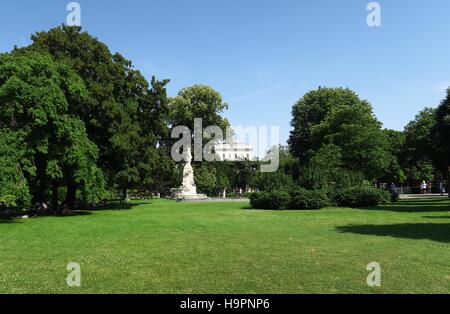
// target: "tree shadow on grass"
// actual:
[[9, 220], [423, 231], [417, 206], [121, 206]]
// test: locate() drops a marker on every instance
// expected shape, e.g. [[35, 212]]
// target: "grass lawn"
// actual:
[[161, 246]]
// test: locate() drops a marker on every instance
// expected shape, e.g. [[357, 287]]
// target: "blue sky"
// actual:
[[263, 55]]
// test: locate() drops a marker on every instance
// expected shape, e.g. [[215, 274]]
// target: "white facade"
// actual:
[[234, 151]]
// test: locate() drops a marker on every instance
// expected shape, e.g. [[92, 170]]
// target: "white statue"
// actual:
[[188, 190], [188, 173]]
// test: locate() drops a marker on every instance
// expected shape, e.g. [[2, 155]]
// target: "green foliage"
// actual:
[[270, 181], [198, 101], [205, 178], [337, 118], [361, 197], [421, 171], [308, 199], [417, 155], [441, 136], [124, 116], [34, 92], [277, 199], [13, 184], [395, 171], [296, 198], [223, 175]]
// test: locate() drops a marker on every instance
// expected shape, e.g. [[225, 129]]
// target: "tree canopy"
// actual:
[[34, 93], [441, 137], [337, 118], [122, 112]]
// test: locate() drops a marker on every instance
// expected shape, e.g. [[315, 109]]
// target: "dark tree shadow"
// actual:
[[121, 206], [82, 211], [9, 220], [424, 231], [75, 214], [417, 206]]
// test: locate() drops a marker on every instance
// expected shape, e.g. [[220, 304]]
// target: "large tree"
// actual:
[[34, 96], [123, 115], [338, 117], [417, 156], [441, 137], [395, 172], [198, 101]]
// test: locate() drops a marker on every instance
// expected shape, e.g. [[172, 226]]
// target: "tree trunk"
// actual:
[[448, 182], [55, 196], [71, 194], [40, 184], [124, 194]]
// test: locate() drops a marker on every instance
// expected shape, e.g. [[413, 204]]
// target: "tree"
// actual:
[[224, 175], [310, 111], [336, 116], [121, 112], [396, 141], [441, 136], [205, 177], [198, 101], [34, 95], [416, 155]]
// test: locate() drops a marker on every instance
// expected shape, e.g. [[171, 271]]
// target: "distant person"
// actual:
[[393, 191], [423, 188], [429, 187], [393, 188]]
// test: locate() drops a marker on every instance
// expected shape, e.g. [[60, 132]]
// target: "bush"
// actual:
[[361, 197], [295, 199], [278, 199], [309, 199]]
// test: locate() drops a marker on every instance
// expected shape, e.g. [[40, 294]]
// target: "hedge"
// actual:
[[361, 197]]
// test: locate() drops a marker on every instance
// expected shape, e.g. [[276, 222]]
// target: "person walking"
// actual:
[[429, 187], [423, 188]]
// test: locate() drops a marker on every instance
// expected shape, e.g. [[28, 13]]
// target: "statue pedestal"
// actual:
[[187, 194]]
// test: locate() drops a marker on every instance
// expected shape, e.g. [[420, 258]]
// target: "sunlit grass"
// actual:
[[162, 246]]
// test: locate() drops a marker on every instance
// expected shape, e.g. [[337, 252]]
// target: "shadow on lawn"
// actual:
[[417, 206], [8, 220], [423, 231], [122, 206]]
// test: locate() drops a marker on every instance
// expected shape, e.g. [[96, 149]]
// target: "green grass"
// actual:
[[161, 246]]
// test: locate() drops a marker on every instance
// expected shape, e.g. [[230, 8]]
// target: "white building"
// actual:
[[234, 151]]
